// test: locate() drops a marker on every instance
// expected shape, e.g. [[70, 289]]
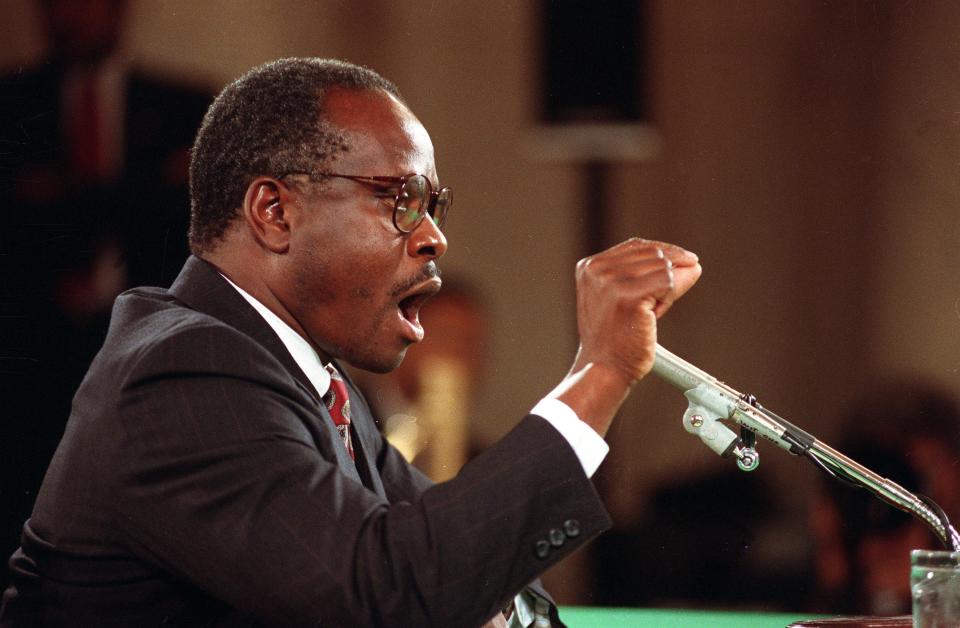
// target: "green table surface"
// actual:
[[592, 617]]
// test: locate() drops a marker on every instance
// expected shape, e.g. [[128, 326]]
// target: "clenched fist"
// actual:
[[621, 293]]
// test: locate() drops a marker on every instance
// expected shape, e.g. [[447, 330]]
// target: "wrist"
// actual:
[[594, 391]]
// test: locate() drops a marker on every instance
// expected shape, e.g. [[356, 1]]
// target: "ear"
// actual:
[[264, 211]]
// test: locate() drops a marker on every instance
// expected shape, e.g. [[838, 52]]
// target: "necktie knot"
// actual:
[[337, 401]]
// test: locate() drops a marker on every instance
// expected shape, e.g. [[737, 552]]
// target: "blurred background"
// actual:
[[809, 152]]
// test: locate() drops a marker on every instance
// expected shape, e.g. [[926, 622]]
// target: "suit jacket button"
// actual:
[[572, 528], [542, 549], [557, 537]]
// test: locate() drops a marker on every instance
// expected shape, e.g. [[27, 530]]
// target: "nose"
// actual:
[[427, 240]]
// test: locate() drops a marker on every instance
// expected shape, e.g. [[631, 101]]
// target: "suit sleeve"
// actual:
[[404, 482], [226, 484]]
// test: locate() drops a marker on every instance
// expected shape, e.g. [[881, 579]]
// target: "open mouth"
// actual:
[[409, 306]]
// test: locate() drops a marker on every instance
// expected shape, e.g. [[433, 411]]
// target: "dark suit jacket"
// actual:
[[200, 481]]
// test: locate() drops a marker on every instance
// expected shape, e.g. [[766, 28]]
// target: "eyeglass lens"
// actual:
[[410, 203], [413, 202]]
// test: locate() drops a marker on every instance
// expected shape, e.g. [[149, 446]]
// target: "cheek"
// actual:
[[312, 279], [354, 281], [350, 269]]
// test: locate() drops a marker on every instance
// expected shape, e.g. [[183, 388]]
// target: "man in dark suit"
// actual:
[[211, 473]]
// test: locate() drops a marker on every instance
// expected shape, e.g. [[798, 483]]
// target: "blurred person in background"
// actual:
[[424, 405], [93, 181], [907, 432]]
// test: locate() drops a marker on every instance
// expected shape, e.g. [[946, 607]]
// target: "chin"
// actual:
[[378, 363]]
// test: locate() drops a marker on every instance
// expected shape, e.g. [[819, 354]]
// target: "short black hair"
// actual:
[[267, 122]]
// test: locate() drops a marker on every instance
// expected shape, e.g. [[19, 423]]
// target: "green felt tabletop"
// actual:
[[591, 617]]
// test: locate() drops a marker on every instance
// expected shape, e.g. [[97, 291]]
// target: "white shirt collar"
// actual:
[[302, 351]]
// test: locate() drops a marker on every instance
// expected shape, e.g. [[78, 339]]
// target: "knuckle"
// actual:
[[643, 249], [582, 267]]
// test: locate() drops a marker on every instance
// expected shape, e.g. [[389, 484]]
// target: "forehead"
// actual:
[[380, 131]]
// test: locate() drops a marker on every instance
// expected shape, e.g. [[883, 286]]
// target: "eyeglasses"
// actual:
[[415, 199]]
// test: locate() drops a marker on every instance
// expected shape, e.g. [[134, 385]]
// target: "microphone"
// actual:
[[712, 401]]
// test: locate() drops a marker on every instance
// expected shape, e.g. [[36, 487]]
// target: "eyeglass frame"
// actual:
[[433, 196]]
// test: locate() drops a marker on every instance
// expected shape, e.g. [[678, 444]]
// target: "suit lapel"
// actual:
[[201, 287]]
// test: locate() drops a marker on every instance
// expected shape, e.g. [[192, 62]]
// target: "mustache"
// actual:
[[428, 271]]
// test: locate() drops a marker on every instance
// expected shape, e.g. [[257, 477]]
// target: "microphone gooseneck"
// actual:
[[711, 402]]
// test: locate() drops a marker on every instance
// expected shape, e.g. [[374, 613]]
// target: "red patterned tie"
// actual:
[[338, 403]]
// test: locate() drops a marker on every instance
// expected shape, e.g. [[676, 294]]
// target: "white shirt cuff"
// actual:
[[589, 446]]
